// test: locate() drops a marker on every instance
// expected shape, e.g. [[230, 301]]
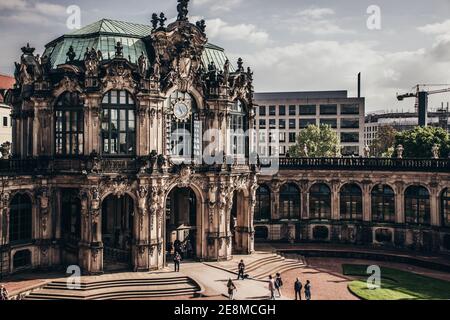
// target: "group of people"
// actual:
[[180, 250], [275, 285], [298, 289]]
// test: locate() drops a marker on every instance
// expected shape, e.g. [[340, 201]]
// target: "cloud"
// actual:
[[316, 13], [334, 65], [441, 46], [436, 28], [221, 5], [219, 29], [28, 12], [318, 21], [12, 4]]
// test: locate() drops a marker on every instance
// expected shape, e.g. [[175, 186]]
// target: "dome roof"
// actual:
[[104, 34]]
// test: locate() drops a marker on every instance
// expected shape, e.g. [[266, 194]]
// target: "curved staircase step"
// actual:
[[122, 288]]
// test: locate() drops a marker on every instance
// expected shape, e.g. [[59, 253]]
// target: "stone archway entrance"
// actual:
[[182, 222], [117, 232]]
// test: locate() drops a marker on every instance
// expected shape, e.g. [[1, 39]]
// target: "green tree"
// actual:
[[418, 142], [384, 141], [320, 141]]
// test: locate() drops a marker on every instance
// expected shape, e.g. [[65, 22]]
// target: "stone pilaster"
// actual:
[[335, 210], [366, 201], [399, 202]]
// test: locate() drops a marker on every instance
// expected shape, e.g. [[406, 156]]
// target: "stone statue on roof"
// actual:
[[182, 9], [143, 64]]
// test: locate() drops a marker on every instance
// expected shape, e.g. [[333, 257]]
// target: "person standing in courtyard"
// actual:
[[271, 288], [241, 270], [298, 289], [278, 284], [308, 290], [231, 288], [176, 261], [4, 295]]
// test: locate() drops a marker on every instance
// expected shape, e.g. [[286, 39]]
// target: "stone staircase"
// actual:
[[263, 265], [118, 288]]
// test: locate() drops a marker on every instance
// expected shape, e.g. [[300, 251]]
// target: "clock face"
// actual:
[[181, 111]]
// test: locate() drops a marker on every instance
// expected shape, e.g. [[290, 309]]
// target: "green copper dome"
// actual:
[[104, 34]]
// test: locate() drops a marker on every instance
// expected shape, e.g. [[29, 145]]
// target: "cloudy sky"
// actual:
[[291, 44]]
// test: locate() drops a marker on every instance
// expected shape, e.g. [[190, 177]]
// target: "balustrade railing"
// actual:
[[369, 164], [85, 165]]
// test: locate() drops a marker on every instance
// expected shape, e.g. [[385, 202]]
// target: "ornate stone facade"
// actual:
[[383, 210], [92, 139]]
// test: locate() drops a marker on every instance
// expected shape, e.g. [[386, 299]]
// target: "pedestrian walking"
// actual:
[[231, 288], [241, 270], [271, 288], [278, 284], [4, 295], [308, 290], [298, 289], [176, 261]]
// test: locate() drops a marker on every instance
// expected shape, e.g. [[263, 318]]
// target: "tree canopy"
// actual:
[[383, 145], [418, 142], [320, 141]]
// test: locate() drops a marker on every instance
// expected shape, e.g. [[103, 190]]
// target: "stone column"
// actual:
[[367, 209], [304, 213], [45, 225], [141, 255], [399, 202], [84, 244], [275, 196], [434, 205], [95, 259], [335, 210]]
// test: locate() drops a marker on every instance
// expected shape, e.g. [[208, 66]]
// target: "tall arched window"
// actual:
[[417, 205], [69, 125], [383, 204], [445, 208], [20, 223], [320, 201], [118, 124], [238, 127], [351, 202], [262, 208], [70, 215], [289, 201], [184, 130]]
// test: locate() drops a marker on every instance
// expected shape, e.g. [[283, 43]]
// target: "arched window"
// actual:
[[320, 201], [238, 127], [383, 204], [184, 130], [445, 208], [262, 208], [351, 202], [70, 215], [417, 205], [69, 125], [20, 223], [289, 201], [118, 124]]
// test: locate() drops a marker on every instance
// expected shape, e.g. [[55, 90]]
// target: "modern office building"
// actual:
[[402, 121], [290, 112]]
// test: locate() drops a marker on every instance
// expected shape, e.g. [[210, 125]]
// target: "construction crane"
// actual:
[[421, 96]]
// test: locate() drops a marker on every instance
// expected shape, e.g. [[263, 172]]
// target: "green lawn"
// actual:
[[396, 285]]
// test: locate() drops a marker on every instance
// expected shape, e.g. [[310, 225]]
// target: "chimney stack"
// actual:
[[359, 85]]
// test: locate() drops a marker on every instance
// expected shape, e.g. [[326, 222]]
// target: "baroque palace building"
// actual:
[[108, 165], [104, 173]]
